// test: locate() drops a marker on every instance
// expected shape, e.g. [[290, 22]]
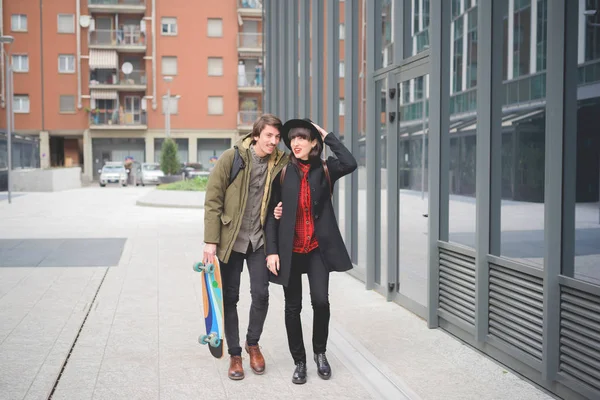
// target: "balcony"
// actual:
[[246, 120], [134, 82], [129, 39], [250, 82], [117, 6], [115, 120], [250, 42], [250, 8]]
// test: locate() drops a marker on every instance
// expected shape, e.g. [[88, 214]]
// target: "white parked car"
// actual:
[[150, 173], [113, 173]]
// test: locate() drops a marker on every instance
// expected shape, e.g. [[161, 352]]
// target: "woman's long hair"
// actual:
[[315, 152]]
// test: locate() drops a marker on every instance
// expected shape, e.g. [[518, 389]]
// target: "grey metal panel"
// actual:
[[304, 98], [266, 51], [317, 61], [457, 248], [489, 109], [273, 59], [558, 14], [351, 128], [581, 286], [373, 54], [438, 153], [457, 285], [333, 80], [579, 358], [515, 313], [398, 17], [392, 185], [515, 265], [281, 36], [291, 73]]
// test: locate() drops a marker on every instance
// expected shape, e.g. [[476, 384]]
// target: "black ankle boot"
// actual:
[[323, 368], [299, 376]]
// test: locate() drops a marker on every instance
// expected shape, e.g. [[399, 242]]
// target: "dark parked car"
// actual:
[[192, 170]]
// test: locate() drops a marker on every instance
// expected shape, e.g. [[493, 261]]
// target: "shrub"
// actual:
[[169, 160]]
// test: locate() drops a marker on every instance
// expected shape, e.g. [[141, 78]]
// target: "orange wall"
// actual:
[[192, 46]]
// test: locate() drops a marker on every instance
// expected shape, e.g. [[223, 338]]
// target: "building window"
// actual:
[[66, 63], [18, 23], [20, 62], [542, 33], [169, 65], [342, 107], [472, 49], [215, 105], [215, 27], [342, 71], [342, 32], [66, 23], [67, 104], [21, 104], [215, 66], [592, 31], [522, 38], [173, 105], [457, 63], [169, 26]]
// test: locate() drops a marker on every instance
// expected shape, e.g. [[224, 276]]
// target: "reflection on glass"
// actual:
[[463, 124], [420, 26], [387, 42], [587, 188], [524, 136], [413, 182]]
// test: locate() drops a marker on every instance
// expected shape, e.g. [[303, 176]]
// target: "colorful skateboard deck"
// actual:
[[212, 302]]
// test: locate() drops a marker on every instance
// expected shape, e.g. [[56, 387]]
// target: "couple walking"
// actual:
[[274, 211]]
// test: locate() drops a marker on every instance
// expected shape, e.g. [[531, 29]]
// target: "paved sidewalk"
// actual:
[[129, 329], [172, 199]]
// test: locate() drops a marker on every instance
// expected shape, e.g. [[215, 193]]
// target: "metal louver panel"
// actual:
[[457, 285], [516, 309], [580, 337]]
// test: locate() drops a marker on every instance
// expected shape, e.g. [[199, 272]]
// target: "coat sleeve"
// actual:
[[214, 200], [344, 164], [272, 224]]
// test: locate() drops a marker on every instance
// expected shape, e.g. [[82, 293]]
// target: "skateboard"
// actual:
[[212, 301]]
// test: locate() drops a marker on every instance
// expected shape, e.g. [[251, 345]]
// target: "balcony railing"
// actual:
[[128, 36], [589, 72], [250, 80], [248, 117], [104, 118], [116, 2], [250, 4], [136, 78], [251, 41]]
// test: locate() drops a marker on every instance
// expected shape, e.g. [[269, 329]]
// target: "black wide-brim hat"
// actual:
[[299, 123]]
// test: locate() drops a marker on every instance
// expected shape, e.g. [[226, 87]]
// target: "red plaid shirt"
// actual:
[[304, 234]]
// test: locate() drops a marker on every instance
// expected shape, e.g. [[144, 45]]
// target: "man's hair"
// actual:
[[315, 152], [264, 121]]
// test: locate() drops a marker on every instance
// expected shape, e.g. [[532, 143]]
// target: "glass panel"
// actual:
[[523, 148], [387, 41], [420, 27], [413, 182], [463, 129], [587, 187]]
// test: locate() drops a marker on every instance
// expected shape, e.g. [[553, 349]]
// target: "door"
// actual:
[[132, 110], [104, 31]]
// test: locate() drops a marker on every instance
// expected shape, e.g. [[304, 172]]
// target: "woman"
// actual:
[[307, 239]]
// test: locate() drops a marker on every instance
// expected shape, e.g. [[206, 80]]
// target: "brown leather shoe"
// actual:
[[236, 369], [257, 361]]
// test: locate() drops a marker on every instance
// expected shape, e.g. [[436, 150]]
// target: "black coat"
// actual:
[[279, 234]]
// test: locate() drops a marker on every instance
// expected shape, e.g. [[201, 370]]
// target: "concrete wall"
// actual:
[[46, 180]]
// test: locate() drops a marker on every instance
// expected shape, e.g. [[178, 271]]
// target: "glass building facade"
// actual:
[[476, 124]]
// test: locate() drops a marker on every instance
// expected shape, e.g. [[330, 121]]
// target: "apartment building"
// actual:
[[91, 77]]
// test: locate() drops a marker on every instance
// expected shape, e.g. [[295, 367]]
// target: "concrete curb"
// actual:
[[172, 199]]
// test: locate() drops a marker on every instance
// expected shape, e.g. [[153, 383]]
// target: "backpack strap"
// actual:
[[236, 166], [282, 176]]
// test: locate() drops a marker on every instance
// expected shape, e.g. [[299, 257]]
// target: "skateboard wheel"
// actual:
[[210, 268], [215, 341], [203, 339], [198, 267]]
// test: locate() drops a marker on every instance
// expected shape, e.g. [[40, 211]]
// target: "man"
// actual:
[[234, 215]]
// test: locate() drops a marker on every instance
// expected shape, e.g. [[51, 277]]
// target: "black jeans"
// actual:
[[259, 291], [318, 279]]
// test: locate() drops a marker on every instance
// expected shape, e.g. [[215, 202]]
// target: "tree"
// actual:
[[169, 160]]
